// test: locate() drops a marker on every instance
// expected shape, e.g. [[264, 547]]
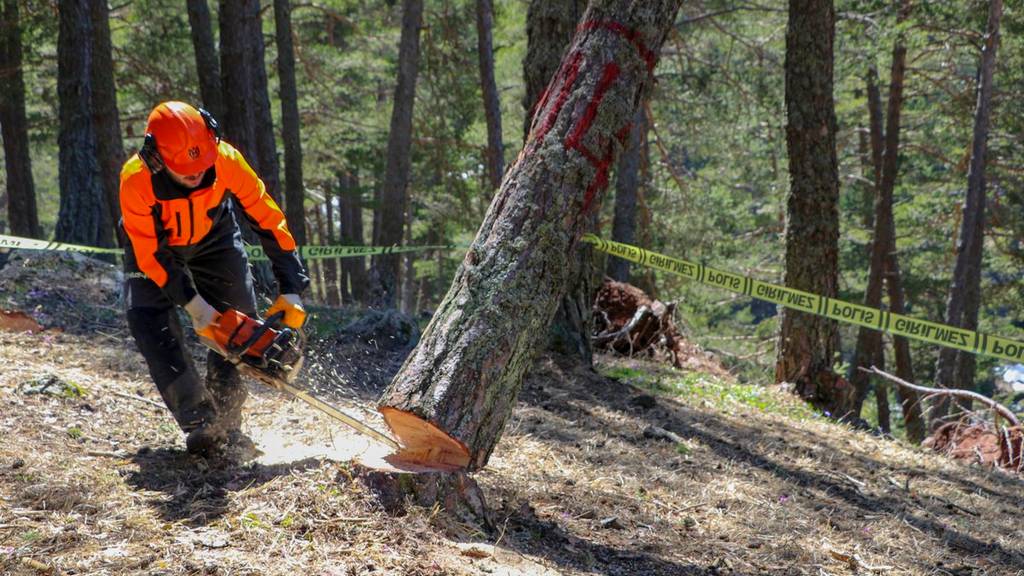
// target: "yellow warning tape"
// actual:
[[254, 252], [897, 324]]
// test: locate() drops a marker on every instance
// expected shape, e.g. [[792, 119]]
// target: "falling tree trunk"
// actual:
[[393, 194], [109, 147], [627, 185], [293, 188], [489, 89], [550, 27], [351, 208], [449, 403], [81, 218], [21, 194], [807, 343], [207, 66], [964, 291], [266, 146]]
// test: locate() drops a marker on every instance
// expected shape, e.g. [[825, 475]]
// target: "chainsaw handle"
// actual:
[[276, 319]]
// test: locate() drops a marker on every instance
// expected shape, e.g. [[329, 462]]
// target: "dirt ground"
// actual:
[[94, 480]]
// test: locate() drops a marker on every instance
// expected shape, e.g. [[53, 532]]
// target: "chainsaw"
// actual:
[[273, 353], [265, 350]]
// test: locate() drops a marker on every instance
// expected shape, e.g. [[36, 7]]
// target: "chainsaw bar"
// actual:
[[320, 405]]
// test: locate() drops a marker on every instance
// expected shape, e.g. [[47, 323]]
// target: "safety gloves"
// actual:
[[291, 305], [203, 315], [204, 320]]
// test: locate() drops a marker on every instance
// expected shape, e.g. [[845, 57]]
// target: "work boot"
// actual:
[[206, 439]]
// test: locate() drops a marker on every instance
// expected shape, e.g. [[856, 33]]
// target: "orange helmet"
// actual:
[[185, 138]]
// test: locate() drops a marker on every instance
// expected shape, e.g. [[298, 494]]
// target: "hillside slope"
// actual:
[[93, 481], [632, 469]]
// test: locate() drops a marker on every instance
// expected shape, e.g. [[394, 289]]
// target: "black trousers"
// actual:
[[219, 269]]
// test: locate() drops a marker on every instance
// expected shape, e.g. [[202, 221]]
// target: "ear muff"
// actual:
[[150, 155], [211, 123]]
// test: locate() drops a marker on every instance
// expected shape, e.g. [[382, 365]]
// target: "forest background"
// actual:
[[712, 174]]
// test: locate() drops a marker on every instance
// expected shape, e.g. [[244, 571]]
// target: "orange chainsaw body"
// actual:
[[264, 350]]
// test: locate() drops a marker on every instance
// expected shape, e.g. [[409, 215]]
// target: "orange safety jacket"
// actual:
[[161, 217]]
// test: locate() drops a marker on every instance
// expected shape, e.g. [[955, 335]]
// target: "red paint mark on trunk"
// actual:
[[623, 133], [608, 75], [632, 36], [575, 139], [563, 83], [565, 79]]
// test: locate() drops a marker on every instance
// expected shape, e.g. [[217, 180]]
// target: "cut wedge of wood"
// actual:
[[423, 443]]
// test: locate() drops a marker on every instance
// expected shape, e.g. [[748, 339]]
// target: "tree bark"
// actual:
[[869, 350], [238, 21], [807, 343], [238, 120], [964, 290], [266, 146], [81, 217], [109, 147], [207, 66], [964, 377], [408, 300], [320, 276], [451, 399], [489, 90], [21, 193], [384, 270], [550, 26], [910, 402], [294, 192], [351, 208], [627, 185]]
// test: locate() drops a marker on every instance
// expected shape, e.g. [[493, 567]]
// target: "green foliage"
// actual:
[[716, 169], [697, 388]]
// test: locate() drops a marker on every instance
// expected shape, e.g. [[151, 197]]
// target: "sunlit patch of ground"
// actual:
[[287, 430]]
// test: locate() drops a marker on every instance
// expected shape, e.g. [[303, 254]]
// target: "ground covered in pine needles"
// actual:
[[632, 469]]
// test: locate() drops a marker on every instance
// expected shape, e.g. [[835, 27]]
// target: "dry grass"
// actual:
[[98, 484]]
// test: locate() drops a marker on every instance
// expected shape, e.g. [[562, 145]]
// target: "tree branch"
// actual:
[[955, 392]]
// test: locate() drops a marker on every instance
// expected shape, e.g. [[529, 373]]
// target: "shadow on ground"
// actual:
[[568, 393], [193, 490]]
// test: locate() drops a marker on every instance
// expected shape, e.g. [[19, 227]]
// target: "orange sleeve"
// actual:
[[267, 218], [139, 222], [252, 194]]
